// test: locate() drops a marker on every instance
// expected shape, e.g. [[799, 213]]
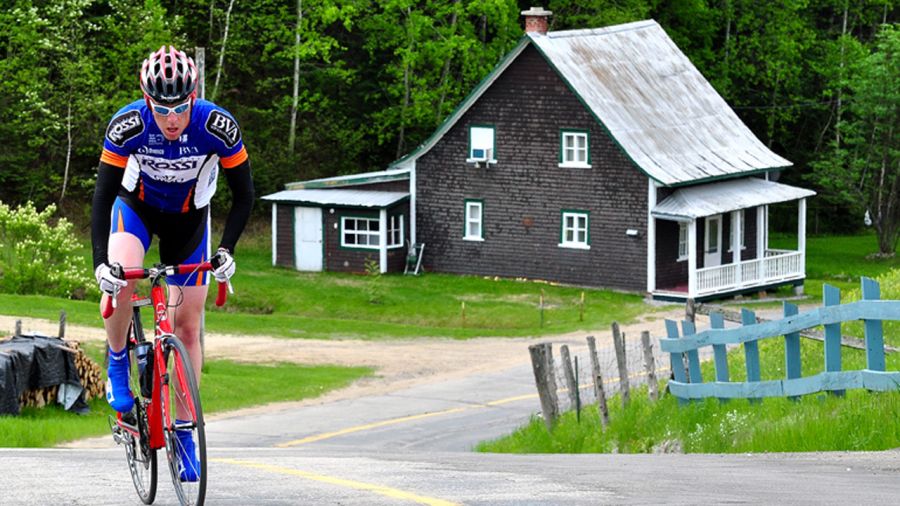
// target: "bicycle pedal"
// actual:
[[128, 420]]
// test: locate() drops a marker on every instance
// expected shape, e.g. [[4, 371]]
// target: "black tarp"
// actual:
[[37, 361]]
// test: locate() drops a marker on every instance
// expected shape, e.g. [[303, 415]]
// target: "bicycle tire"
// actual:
[[180, 372], [142, 461]]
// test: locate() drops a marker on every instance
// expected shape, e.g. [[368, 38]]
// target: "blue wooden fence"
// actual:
[[872, 310]]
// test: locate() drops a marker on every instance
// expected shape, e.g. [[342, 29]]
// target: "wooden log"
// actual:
[[545, 379], [619, 342], [599, 391], [570, 376], [650, 366]]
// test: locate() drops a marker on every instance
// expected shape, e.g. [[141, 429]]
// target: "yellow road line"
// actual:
[[358, 485], [395, 421]]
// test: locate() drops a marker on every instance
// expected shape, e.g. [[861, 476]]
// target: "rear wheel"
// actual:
[[141, 459], [181, 402]]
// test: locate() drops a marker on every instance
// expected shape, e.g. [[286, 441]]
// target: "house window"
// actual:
[[743, 231], [682, 241], [574, 233], [481, 144], [573, 149], [360, 232], [395, 231], [474, 229]]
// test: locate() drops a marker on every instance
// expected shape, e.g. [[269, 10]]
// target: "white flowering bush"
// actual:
[[37, 258]]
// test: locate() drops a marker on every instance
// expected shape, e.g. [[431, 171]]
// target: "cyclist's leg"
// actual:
[[128, 241]]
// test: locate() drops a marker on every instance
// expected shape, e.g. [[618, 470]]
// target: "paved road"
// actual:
[[413, 446]]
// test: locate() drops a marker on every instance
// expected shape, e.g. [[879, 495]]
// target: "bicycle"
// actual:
[[151, 424]]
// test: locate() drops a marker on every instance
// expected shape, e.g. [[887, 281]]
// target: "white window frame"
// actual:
[[575, 229], [743, 219], [369, 234], [468, 221], [395, 229], [482, 137], [563, 149], [682, 241]]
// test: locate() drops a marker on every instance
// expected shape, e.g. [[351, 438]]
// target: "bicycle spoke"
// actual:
[[185, 434]]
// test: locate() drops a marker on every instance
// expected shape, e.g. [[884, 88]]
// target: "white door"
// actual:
[[712, 246], [308, 238]]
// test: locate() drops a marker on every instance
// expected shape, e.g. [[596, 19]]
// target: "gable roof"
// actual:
[[651, 99]]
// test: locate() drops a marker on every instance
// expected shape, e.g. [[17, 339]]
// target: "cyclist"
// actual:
[[157, 174]]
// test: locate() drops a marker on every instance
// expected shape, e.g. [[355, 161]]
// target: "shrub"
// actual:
[[39, 258]]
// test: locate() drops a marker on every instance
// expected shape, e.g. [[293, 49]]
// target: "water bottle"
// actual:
[[144, 358]]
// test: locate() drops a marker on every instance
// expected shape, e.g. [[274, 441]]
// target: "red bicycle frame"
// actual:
[[162, 326]]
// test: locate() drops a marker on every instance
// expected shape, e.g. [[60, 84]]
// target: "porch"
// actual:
[[707, 267]]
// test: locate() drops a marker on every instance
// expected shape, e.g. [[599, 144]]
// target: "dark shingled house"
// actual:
[[604, 158]]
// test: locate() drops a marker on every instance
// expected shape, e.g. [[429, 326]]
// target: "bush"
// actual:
[[39, 258]]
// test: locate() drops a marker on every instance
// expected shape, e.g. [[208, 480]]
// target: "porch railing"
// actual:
[[775, 266]]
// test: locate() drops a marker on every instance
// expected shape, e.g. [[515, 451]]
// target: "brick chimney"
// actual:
[[536, 20]]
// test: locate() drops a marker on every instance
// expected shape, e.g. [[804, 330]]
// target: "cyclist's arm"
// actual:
[[109, 178], [242, 194]]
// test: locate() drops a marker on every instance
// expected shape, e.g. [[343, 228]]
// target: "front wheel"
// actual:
[[185, 433]]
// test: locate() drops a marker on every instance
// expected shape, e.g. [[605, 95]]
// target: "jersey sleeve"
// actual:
[[226, 137], [124, 129]]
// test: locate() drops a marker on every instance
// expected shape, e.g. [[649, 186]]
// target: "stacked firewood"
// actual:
[[88, 370]]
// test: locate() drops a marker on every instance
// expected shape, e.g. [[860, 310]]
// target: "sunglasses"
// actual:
[[165, 111]]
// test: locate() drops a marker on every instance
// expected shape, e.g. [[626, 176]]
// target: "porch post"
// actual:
[[761, 244], [651, 237], [412, 202], [382, 240], [274, 233], [736, 233], [692, 258], [801, 234]]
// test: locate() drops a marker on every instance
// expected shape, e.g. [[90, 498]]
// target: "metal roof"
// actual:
[[725, 196], [351, 180], [651, 99], [341, 198]]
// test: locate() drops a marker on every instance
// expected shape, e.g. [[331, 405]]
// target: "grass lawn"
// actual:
[[225, 386], [282, 302]]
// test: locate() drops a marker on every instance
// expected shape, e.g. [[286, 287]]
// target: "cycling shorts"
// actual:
[[183, 237]]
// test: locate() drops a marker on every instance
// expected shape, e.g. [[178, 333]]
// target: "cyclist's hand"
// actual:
[[108, 278], [225, 266]]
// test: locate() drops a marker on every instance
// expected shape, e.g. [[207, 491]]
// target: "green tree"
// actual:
[[862, 166]]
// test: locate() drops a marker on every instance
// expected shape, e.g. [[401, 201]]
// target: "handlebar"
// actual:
[[162, 271]]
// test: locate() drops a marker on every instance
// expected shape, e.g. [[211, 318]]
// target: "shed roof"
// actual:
[[725, 196], [651, 99], [340, 198], [380, 176]]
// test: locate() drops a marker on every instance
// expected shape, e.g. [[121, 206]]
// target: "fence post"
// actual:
[[832, 296], [694, 373], [545, 379], [598, 382], [619, 343], [677, 358], [62, 324], [874, 330], [650, 366], [792, 361], [751, 350], [720, 352], [570, 376], [18, 331]]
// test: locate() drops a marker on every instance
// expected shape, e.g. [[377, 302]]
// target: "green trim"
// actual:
[[562, 224], [467, 102], [367, 178], [466, 203], [493, 139], [562, 146]]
